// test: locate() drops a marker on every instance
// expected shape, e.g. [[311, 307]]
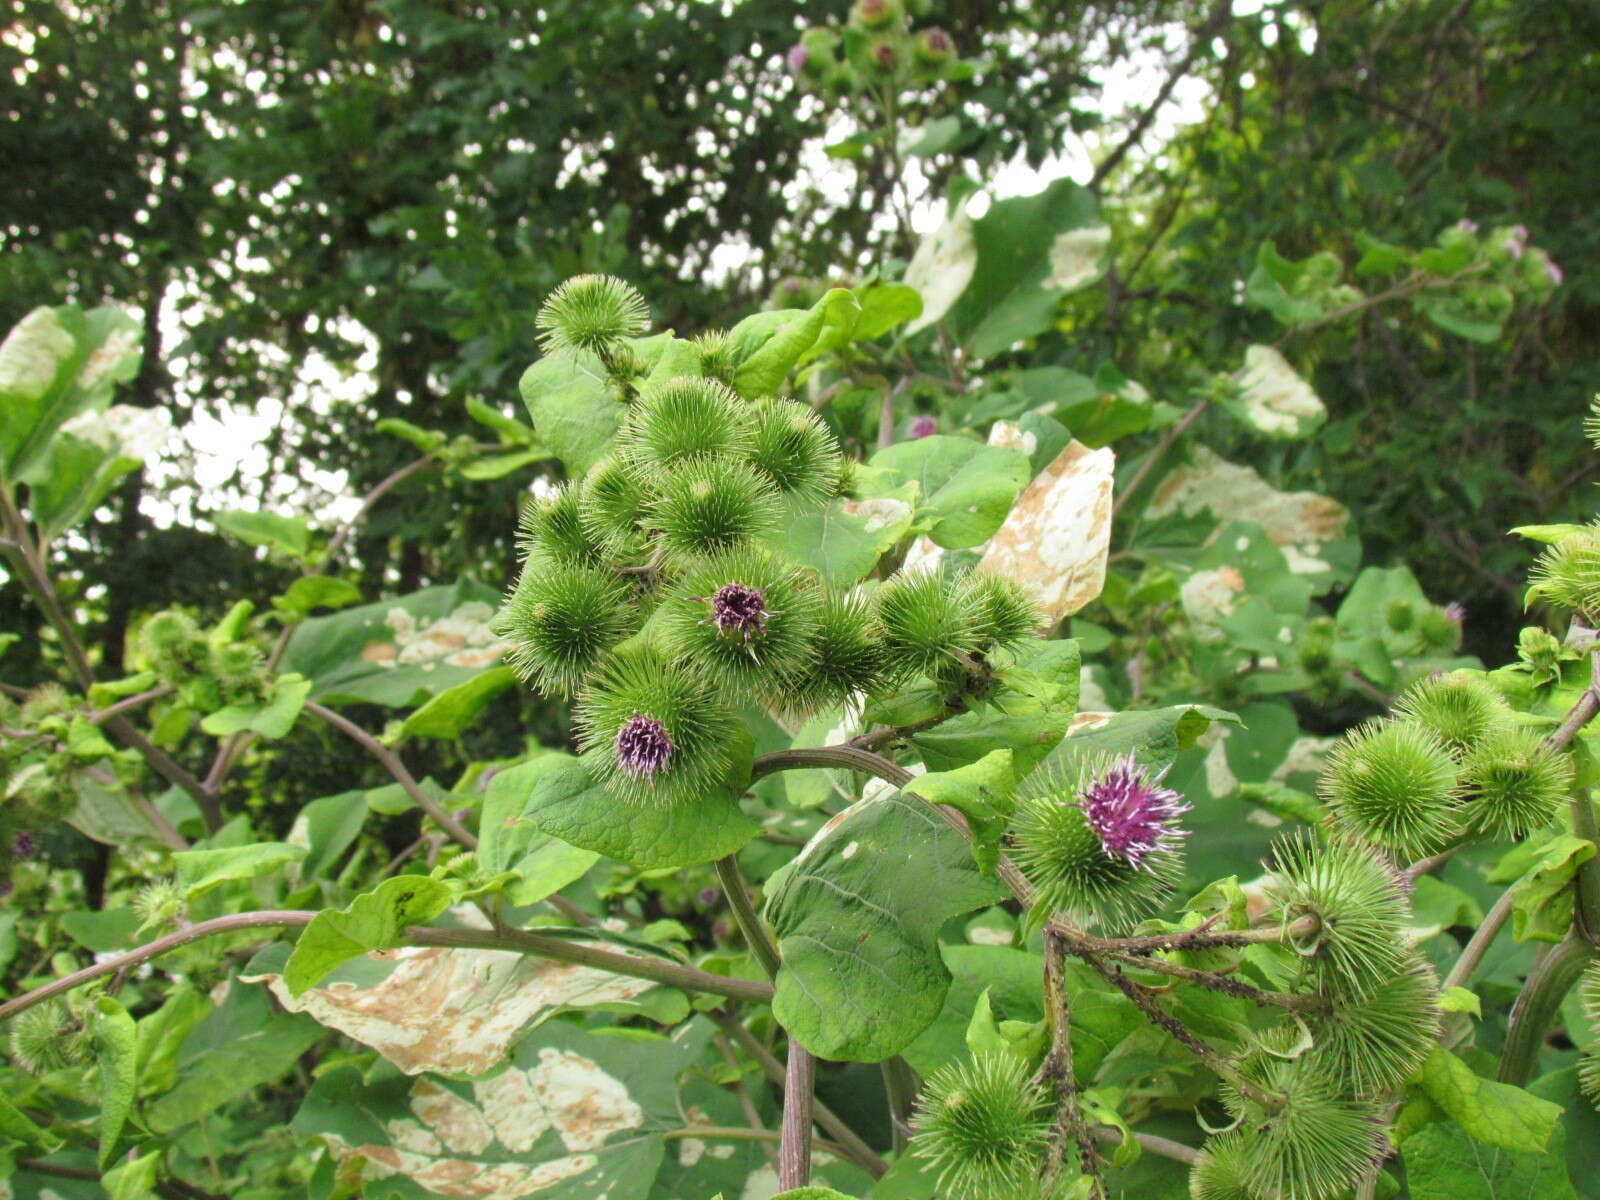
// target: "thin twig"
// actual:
[[1292, 1001], [397, 769], [1164, 443], [122, 706], [1057, 1071], [755, 934]]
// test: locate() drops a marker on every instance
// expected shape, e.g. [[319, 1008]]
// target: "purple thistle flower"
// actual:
[[739, 608], [643, 747], [23, 845], [923, 426], [797, 58], [1455, 612], [1131, 813]]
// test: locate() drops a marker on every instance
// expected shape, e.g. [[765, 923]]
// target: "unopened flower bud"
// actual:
[[934, 46]]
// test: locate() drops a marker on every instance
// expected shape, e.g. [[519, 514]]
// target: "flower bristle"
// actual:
[[591, 313], [1066, 858], [846, 658], [795, 449], [694, 722], [1512, 783], [560, 619], [550, 528], [708, 506], [683, 420], [1458, 708], [1316, 1143], [1004, 613], [610, 501], [743, 620], [1220, 1171], [1359, 904], [1370, 1042], [983, 1126], [1568, 573], [1394, 783], [927, 621]]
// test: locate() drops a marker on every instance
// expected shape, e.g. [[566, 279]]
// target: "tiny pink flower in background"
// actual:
[[923, 426], [796, 58], [1554, 272], [1517, 241], [1466, 225], [1455, 612], [1132, 814]]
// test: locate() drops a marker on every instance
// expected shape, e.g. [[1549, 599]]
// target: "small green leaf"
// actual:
[[316, 591], [763, 373], [543, 864], [287, 535], [198, 871], [115, 1041], [271, 720], [967, 487], [883, 306], [18, 1126], [573, 411], [133, 1180], [374, 921], [426, 440], [1461, 1000], [1549, 534], [1498, 1114], [1542, 900], [454, 710], [982, 793]]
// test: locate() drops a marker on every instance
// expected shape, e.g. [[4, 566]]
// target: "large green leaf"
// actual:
[[572, 410], [568, 804], [844, 541], [1030, 251], [508, 842], [56, 364], [1497, 1114], [762, 373], [967, 487], [399, 652], [575, 1115], [115, 1042], [1443, 1163], [244, 1042], [453, 710], [198, 871], [857, 915]]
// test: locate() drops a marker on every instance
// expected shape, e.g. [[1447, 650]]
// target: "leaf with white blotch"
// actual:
[[457, 1011], [57, 364], [399, 652], [1272, 398], [861, 973], [1312, 530], [941, 268], [575, 1114], [1055, 540]]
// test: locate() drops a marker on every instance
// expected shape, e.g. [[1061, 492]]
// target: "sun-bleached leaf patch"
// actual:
[[1055, 540], [1301, 524], [574, 1113], [941, 268], [448, 1010], [1078, 257], [1273, 399]]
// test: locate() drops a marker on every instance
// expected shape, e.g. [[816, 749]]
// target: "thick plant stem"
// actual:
[[1058, 1073], [749, 921], [391, 763], [863, 1155], [1553, 975], [518, 941], [1586, 880], [900, 1088], [1482, 937], [799, 1091]]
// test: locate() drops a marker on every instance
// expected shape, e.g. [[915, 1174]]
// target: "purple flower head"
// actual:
[[1467, 225], [936, 43], [1517, 240], [737, 608], [1455, 612], [1131, 813], [884, 54], [797, 58], [1554, 272], [23, 845], [643, 747], [924, 426]]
